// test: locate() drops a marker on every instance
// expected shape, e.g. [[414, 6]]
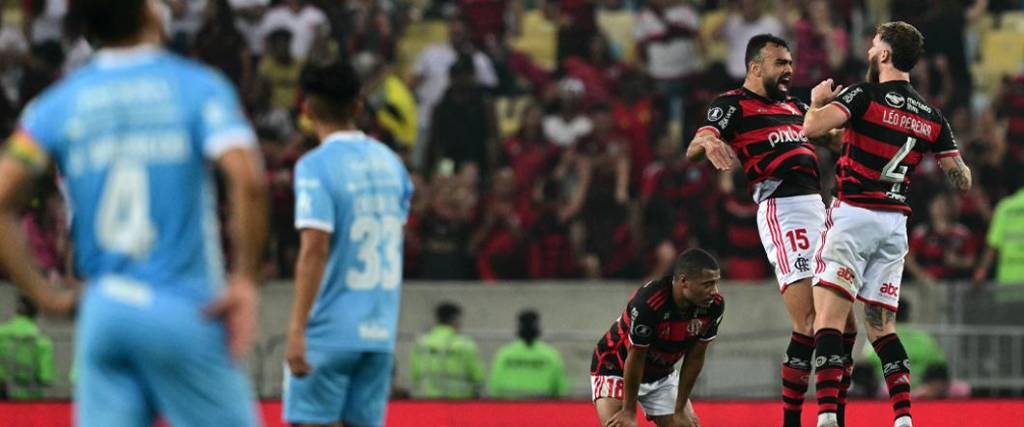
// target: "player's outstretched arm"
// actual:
[[688, 373], [957, 171], [632, 374], [821, 117], [705, 143], [15, 188]]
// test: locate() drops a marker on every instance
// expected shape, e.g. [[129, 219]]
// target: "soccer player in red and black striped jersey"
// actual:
[[664, 321], [889, 129], [762, 125]]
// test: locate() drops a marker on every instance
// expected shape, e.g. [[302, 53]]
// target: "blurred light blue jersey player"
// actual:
[[352, 200], [134, 134]]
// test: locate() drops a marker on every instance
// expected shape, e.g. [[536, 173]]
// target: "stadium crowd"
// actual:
[[545, 138]]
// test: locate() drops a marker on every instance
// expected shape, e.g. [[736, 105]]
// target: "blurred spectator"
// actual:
[[281, 69], [637, 120], [741, 245], [1006, 238], [430, 75], [596, 69], [487, 20], [527, 368], [675, 196], [46, 227], [669, 48], [922, 349], [249, 14], [610, 242], [577, 25], [446, 364], [305, 22], [388, 100], [821, 46], [463, 128], [528, 153], [941, 249], [933, 81], [368, 26], [554, 244], [26, 356], [569, 123], [220, 44], [1008, 102], [745, 21], [498, 240], [44, 20], [936, 384], [186, 18], [445, 228]]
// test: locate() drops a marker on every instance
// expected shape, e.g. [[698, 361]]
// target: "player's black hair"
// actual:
[[907, 43], [447, 313], [529, 326], [109, 21], [757, 43], [693, 262], [332, 90]]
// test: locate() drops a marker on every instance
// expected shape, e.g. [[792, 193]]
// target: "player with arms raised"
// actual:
[[889, 129], [352, 200], [763, 125], [134, 133], [666, 320]]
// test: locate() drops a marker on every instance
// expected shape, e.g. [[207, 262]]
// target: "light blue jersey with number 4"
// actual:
[[358, 190], [134, 133]]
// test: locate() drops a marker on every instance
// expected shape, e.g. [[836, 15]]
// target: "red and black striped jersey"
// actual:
[[768, 137], [652, 319], [889, 129]]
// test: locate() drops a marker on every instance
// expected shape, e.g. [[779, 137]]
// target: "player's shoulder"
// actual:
[[654, 293], [852, 91], [730, 96]]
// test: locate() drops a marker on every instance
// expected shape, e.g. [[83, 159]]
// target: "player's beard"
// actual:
[[873, 71], [771, 87]]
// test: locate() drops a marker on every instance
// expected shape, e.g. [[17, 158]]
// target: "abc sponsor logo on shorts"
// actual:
[[846, 274], [890, 290]]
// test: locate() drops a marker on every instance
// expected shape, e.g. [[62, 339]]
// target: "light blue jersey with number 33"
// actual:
[[134, 134], [357, 190]]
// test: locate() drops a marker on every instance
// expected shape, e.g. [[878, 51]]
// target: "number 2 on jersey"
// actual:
[[375, 237]]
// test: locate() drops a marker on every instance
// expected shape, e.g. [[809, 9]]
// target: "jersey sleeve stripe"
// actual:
[[842, 108], [712, 129], [947, 153], [315, 224], [219, 143]]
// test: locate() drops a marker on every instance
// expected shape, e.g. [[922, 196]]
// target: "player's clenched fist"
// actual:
[[824, 93]]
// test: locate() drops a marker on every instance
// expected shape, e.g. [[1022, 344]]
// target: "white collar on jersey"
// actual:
[[122, 56], [344, 135]]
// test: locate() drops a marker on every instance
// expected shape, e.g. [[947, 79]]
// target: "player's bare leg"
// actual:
[[880, 323], [832, 310], [666, 420], [796, 369], [606, 408]]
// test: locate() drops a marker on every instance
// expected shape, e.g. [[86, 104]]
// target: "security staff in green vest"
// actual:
[[26, 356], [445, 364], [1006, 239], [527, 368]]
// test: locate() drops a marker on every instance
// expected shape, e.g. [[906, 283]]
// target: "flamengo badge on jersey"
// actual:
[[895, 100]]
